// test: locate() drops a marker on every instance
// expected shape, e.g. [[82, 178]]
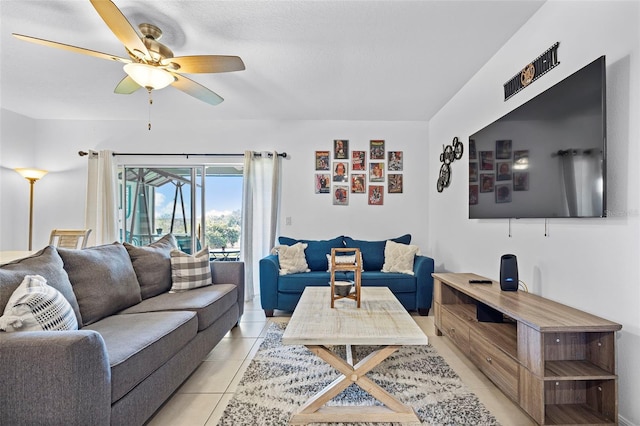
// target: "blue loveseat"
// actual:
[[282, 292]]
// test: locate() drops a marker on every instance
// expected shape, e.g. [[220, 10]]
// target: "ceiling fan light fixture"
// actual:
[[149, 77]]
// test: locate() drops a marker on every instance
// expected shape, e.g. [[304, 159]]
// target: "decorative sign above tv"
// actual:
[[540, 66], [546, 158]]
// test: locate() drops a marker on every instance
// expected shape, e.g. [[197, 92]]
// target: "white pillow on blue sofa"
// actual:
[[399, 257], [291, 258], [36, 306]]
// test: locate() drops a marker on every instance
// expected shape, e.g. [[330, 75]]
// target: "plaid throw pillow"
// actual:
[[36, 306], [189, 272]]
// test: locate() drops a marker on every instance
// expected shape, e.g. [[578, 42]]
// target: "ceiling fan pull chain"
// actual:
[[150, 103]]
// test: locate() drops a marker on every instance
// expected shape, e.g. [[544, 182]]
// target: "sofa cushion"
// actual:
[[35, 306], [103, 280], [189, 272], [46, 263], [291, 259], [316, 251], [138, 344], [152, 264], [399, 257], [397, 282], [209, 303], [373, 251], [296, 283]]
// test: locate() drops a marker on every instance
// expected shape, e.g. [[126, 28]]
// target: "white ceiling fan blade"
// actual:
[[196, 90], [70, 48], [121, 27], [126, 86], [204, 64]]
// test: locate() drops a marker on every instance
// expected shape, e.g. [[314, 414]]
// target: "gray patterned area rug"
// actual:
[[281, 378]]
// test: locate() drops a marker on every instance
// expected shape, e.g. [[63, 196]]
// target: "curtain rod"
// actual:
[[258, 154]]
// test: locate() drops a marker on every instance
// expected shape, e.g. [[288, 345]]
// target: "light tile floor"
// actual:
[[201, 400]]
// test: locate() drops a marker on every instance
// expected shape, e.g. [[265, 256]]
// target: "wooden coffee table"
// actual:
[[380, 321]]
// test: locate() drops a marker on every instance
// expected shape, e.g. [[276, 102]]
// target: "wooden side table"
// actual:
[[355, 267]]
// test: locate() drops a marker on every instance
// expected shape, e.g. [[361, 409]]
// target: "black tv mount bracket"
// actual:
[[449, 154]]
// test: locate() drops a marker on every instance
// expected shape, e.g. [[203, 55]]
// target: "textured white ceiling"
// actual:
[[310, 60]]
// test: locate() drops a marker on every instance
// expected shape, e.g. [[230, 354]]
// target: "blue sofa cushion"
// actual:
[[317, 250], [373, 251]]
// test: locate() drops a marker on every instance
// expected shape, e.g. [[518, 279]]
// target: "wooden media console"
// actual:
[[558, 363]]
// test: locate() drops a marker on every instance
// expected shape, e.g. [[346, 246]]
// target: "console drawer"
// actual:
[[456, 329], [495, 364]]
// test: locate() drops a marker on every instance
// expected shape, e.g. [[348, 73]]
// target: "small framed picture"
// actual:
[[395, 161], [359, 160], [322, 160], [486, 182], [358, 183], [473, 155], [340, 149], [486, 160], [473, 172], [520, 181], [503, 193], [323, 183], [473, 195], [376, 149], [376, 195], [503, 170], [503, 150], [341, 195], [521, 159], [340, 172], [376, 172], [394, 183]]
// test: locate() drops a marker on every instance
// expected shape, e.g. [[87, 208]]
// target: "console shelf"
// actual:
[[558, 363]]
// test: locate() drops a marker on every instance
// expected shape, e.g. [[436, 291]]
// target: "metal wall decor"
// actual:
[[538, 67], [449, 154]]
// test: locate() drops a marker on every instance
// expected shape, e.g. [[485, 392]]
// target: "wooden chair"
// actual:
[[69, 238]]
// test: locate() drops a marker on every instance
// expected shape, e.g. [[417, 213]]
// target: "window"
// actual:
[[201, 205]]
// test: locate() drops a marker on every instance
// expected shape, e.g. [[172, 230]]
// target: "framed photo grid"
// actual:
[[341, 172]]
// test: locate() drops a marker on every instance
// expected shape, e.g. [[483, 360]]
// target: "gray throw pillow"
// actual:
[[152, 264], [46, 263], [103, 280]]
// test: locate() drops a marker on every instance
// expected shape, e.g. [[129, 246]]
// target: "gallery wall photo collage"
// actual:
[[344, 173]]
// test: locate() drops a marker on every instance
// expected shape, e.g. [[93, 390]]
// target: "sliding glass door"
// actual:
[[200, 205]]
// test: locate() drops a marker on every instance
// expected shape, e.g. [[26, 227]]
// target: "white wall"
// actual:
[[60, 195], [591, 264]]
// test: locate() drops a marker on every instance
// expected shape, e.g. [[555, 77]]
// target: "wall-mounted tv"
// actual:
[[546, 158]]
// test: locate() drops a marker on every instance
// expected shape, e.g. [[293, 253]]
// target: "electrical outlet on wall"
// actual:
[[287, 220]]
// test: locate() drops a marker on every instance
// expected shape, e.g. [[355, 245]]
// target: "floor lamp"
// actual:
[[32, 175]]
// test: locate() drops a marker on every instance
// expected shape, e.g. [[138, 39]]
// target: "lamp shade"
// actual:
[[149, 76], [31, 174]]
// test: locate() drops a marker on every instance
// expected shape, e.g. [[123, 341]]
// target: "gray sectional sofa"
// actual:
[[136, 342]]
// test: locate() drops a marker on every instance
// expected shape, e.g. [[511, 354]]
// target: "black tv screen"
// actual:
[[546, 158]]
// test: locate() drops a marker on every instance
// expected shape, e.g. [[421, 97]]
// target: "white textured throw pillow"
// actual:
[[189, 272], [36, 306], [399, 257], [292, 259]]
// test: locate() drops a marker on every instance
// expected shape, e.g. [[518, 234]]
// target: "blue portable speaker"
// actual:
[[509, 272]]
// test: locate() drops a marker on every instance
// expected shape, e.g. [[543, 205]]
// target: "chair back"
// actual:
[[69, 238]]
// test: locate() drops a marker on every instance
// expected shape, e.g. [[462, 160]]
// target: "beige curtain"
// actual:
[[260, 213], [101, 212]]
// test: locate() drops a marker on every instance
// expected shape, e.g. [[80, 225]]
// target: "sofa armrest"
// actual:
[[423, 267], [230, 273], [269, 274], [54, 377]]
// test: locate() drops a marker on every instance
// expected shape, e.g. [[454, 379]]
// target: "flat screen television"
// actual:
[[546, 158]]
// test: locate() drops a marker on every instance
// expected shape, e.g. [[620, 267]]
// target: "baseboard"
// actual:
[[624, 422]]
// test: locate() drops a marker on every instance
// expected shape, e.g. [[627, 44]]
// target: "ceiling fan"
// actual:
[[150, 63]]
